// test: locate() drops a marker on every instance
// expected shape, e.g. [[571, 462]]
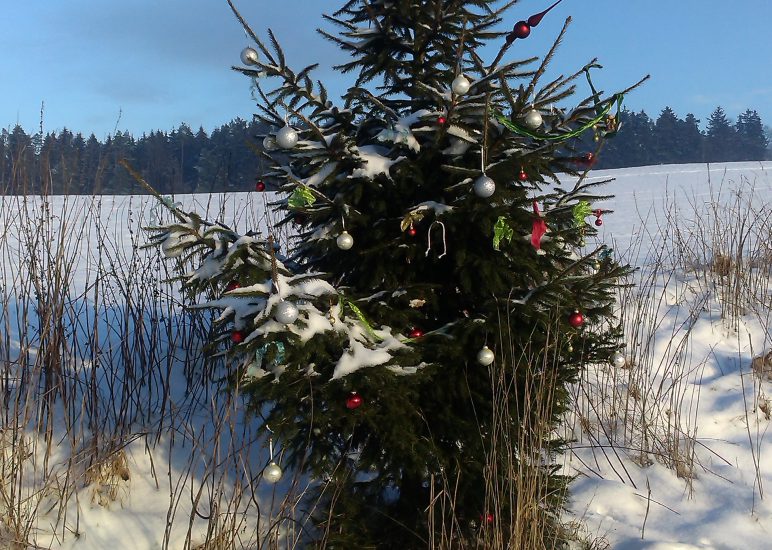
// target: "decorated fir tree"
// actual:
[[442, 286]]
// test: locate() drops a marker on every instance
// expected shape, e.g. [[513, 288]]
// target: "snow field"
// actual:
[[105, 378]]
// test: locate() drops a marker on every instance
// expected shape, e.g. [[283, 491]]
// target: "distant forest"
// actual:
[[183, 161]]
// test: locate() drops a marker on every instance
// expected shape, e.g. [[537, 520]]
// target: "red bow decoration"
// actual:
[[539, 228]]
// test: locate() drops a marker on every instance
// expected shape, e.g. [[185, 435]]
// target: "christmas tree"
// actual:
[[411, 346]]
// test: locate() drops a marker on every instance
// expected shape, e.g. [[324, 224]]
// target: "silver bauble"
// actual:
[[485, 356], [272, 473], [460, 85], [345, 241], [269, 143], [285, 313], [249, 56], [532, 119], [617, 359], [484, 187], [287, 137]]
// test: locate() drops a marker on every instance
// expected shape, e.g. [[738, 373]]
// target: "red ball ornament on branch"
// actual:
[[354, 401], [415, 332], [233, 285], [598, 221], [521, 29], [522, 176], [587, 160], [237, 336], [441, 120], [576, 319], [412, 230], [260, 186]]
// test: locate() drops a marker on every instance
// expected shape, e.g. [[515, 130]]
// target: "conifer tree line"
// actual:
[[184, 161], [673, 140]]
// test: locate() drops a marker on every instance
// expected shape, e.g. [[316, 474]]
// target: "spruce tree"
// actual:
[[411, 346], [720, 138], [752, 142], [667, 139], [693, 140]]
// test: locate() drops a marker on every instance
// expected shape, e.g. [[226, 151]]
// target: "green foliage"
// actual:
[[409, 313]]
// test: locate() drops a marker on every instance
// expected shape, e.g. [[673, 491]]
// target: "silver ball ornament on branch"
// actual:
[[249, 56], [618, 359], [532, 119], [484, 187], [272, 473], [286, 313], [485, 356], [287, 137], [345, 241], [460, 85]]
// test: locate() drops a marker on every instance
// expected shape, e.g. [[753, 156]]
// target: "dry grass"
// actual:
[[97, 360], [705, 260], [97, 355]]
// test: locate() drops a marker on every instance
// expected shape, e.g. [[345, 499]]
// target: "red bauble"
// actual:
[[587, 160], [354, 401], [576, 319], [233, 285], [260, 185], [489, 518], [237, 336], [521, 29], [522, 176], [598, 222], [415, 332], [441, 120], [412, 231]]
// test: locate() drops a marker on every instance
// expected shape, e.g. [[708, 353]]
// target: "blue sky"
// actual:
[[98, 65]]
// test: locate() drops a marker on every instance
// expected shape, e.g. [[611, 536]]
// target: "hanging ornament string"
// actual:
[[523, 131], [274, 266], [444, 239]]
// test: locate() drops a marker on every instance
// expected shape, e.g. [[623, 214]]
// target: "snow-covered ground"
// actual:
[[670, 450], [674, 455]]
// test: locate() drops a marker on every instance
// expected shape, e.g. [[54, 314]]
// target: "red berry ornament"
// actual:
[[598, 222], [522, 176], [354, 401], [576, 319], [233, 285], [237, 336], [441, 120], [587, 160], [489, 518], [412, 231], [415, 332], [521, 29], [260, 186]]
